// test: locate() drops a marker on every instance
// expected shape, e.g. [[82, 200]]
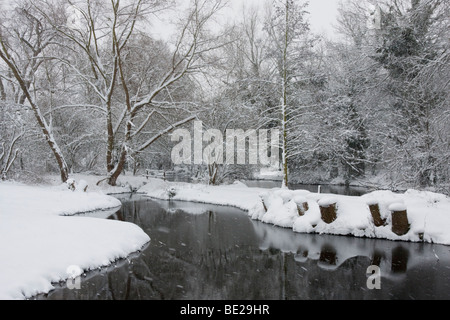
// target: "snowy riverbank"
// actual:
[[428, 213], [38, 243]]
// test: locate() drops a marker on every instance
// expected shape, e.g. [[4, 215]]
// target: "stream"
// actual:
[[209, 252]]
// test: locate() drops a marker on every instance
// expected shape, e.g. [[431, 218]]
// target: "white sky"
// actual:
[[322, 14]]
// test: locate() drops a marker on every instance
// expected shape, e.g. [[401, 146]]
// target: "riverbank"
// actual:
[[42, 242], [428, 213], [39, 244], [384, 180]]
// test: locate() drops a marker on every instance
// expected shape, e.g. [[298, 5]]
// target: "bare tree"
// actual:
[[129, 103], [24, 40], [287, 27], [12, 129]]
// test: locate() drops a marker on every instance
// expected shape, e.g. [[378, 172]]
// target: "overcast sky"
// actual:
[[322, 15], [322, 12]]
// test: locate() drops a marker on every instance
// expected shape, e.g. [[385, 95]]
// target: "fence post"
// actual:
[[376, 216], [328, 209], [302, 205], [400, 224], [262, 200]]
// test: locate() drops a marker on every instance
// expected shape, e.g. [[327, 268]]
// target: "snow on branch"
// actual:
[[163, 132]]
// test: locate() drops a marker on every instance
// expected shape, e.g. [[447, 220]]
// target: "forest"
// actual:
[[89, 86]]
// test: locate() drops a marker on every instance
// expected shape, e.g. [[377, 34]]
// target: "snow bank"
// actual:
[[125, 183], [269, 174], [38, 244], [428, 212], [236, 195]]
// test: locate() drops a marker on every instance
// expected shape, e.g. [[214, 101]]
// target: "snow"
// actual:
[[327, 201], [397, 206], [42, 240], [125, 183], [235, 195], [40, 243], [309, 247], [269, 174], [428, 212]]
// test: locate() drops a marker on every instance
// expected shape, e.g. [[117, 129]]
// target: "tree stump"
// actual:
[[376, 216], [302, 208], [400, 224], [328, 210], [302, 205]]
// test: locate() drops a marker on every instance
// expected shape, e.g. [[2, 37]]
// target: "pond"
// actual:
[[205, 252]]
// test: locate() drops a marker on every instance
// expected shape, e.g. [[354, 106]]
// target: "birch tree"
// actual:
[[287, 27]]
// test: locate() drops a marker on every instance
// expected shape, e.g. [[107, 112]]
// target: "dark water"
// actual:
[[325, 188], [202, 252], [336, 189]]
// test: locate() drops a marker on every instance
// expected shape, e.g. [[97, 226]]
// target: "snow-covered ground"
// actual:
[[125, 183], [40, 239], [428, 212], [269, 174], [40, 244]]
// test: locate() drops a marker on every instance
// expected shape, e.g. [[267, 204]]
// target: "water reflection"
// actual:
[[399, 261], [210, 252], [332, 251]]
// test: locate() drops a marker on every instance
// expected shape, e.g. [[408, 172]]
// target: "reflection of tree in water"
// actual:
[[222, 254]]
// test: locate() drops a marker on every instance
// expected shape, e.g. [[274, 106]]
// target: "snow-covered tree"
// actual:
[[12, 129], [287, 28], [25, 41], [408, 48], [133, 93], [401, 49]]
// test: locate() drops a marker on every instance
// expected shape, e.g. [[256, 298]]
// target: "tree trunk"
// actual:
[[62, 165], [118, 169], [110, 140], [284, 84], [2, 91], [284, 149]]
